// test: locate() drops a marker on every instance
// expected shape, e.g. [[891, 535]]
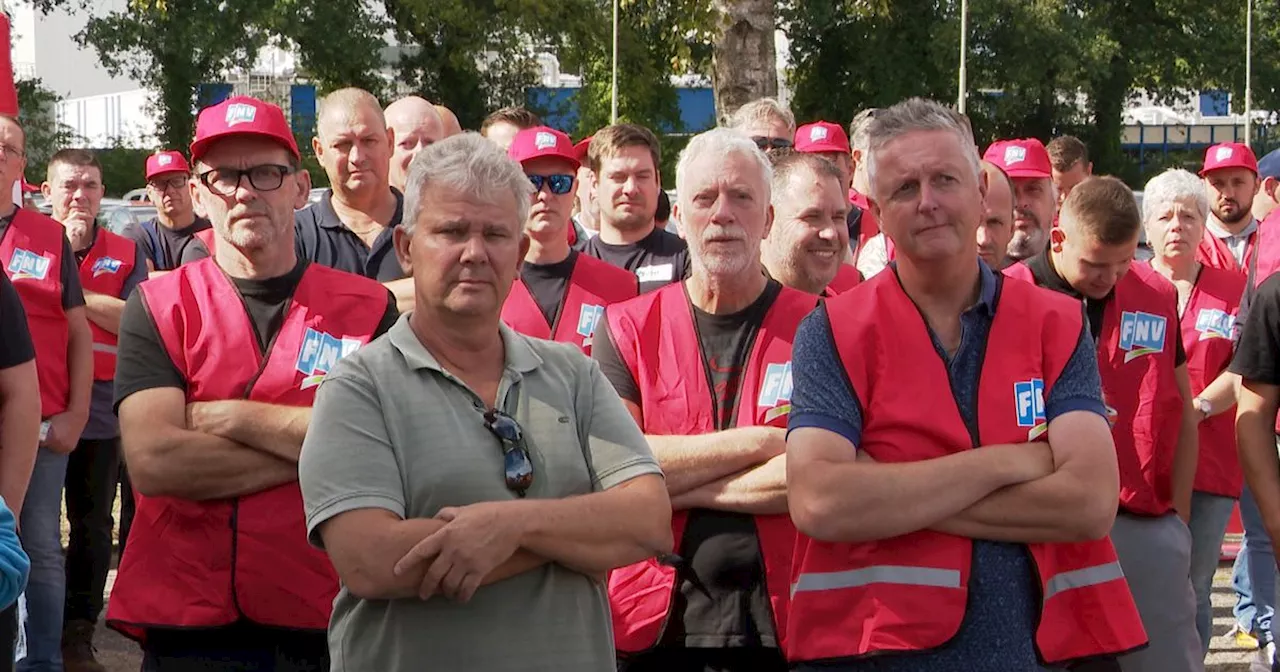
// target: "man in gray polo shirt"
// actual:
[[473, 486]]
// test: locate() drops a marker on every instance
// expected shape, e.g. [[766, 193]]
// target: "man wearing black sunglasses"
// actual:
[[472, 485], [218, 364], [766, 122], [560, 293], [704, 367]]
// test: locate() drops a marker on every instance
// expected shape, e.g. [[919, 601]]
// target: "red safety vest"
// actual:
[[593, 285], [909, 593], [31, 251], [1267, 257], [655, 336], [1136, 359], [205, 564], [1215, 253], [846, 279], [1208, 328], [104, 270]]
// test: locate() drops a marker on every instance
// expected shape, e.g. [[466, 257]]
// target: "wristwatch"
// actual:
[[1203, 405]]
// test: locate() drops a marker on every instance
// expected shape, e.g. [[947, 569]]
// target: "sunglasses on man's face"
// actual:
[[766, 143], [559, 184], [517, 467]]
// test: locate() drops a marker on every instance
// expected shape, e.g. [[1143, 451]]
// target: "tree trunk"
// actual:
[[745, 65]]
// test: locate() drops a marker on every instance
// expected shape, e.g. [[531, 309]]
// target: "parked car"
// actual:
[[119, 215], [135, 196]]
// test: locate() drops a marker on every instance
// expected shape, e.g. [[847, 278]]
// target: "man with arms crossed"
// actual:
[[473, 486]]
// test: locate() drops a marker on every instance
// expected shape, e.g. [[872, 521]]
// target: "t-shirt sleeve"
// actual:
[[605, 352], [1079, 386], [389, 317], [1257, 358], [194, 250], [821, 394], [617, 448], [348, 461], [138, 234], [142, 363], [72, 291], [15, 340]]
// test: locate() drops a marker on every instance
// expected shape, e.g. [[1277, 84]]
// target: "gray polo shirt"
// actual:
[[391, 430]]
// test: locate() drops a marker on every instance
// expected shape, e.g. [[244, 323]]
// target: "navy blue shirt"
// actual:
[[324, 239], [998, 631]]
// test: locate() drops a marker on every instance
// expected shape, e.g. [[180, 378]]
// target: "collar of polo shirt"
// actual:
[[520, 357]]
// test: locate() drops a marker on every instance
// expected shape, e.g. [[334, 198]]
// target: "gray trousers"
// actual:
[[1155, 554]]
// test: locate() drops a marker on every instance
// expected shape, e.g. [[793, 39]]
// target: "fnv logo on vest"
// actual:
[[1141, 334], [588, 316], [240, 113], [1029, 398], [27, 265], [106, 265], [1014, 155], [319, 353], [1212, 323], [775, 391]]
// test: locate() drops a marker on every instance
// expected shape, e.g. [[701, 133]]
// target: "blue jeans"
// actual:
[[1254, 574], [1209, 517], [42, 539]]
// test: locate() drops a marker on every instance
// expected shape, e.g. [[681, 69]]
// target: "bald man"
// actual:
[[415, 124], [451, 125], [350, 227]]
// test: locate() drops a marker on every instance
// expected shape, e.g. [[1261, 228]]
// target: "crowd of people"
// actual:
[[497, 401]]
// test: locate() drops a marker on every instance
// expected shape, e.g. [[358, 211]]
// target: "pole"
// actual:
[[613, 107], [964, 53], [1248, 74]]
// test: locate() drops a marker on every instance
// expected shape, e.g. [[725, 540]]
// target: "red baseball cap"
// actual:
[[540, 141], [166, 162], [821, 136], [581, 149], [1020, 158], [242, 115], [1229, 155]]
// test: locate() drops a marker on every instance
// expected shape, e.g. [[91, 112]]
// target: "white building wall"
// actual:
[[106, 119]]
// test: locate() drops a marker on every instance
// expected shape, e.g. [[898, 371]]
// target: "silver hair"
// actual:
[[470, 164], [915, 115], [1172, 185], [858, 137], [761, 109], [720, 142]]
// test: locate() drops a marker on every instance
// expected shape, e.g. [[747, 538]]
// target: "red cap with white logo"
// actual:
[[822, 136], [242, 115], [1229, 155], [1020, 158], [541, 141], [166, 162]]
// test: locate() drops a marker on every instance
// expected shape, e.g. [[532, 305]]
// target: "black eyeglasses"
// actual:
[[560, 184], [517, 467], [766, 143], [225, 181], [175, 183]]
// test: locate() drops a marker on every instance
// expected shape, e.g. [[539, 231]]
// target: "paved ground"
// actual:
[[121, 655]]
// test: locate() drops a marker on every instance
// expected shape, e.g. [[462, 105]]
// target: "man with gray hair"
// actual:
[[704, 368], [766, 122], [456, 453], [921, 553], [806, 245]]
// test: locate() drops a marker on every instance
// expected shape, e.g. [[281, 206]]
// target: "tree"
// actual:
[[745, 65], [44, 133]]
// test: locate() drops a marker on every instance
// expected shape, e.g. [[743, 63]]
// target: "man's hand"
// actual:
[[476, 540], [208, 417], [64, 431]]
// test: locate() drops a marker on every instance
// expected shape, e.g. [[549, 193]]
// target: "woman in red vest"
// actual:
[[1174, 211]]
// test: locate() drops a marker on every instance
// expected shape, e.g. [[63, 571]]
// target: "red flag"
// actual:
[[8, 93]]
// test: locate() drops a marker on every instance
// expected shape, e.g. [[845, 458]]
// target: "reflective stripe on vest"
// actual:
[[201, 564], [31, 252], [909, 594], [655, 337]]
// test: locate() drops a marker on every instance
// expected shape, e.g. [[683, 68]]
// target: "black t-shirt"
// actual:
[[142, 362], [324, 239], [170, 248], [722, 600], [1048, 277], [658, 259], [15, 339], [1257, 356], [547, 284], [72, 291]]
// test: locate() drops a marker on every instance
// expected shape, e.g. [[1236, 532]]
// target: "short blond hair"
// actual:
[[611, 140]]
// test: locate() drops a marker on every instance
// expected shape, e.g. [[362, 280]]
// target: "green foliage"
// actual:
[[45, 134], [123, 168]]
